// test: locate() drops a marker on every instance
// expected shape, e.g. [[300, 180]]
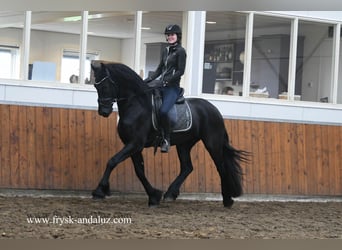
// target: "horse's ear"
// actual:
[[95, 65], [103, 66]]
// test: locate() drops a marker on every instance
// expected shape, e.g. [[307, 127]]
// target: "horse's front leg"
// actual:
[[103, 188], [154, 195]]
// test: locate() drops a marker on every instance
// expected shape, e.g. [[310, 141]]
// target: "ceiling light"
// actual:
[[210, 22], [72, 19], [145, 28]]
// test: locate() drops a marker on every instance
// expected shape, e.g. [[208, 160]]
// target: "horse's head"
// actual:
[[107, 90]]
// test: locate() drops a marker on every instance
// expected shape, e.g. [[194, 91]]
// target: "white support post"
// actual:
[[248, 55], [25, 51], [137, 47], [335, 62], [195, 52], [83, 43], [293, 60]]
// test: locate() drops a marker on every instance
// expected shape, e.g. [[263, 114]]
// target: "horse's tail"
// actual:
[[232, 171]]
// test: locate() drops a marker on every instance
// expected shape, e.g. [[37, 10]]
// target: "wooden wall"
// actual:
[[56, 148]]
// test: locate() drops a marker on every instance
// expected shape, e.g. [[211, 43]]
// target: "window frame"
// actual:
[[193, 85]]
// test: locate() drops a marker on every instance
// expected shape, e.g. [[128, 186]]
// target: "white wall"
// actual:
[[11, 37]]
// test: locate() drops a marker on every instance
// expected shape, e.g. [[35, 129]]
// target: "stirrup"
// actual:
[[165, 146]]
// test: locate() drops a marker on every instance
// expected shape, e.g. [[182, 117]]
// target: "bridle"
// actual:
[[108, 101]]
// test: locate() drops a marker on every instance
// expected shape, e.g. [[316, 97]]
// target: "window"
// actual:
[[51, 33], [270, 57], [317, 62], [224, 52], [71, 63], [11, 35], [9, 62]]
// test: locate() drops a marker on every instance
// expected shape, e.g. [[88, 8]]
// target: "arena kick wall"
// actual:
[[65, 148]]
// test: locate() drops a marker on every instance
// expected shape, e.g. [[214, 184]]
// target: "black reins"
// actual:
[[110, 100]]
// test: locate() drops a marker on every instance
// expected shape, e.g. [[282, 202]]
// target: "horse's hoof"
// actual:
[[228, 203], [101, 191], [97, 195], [154, 199], [152, 206], [170, 196], [169, 199]]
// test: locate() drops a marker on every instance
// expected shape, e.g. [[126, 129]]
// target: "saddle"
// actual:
[[179, 115]]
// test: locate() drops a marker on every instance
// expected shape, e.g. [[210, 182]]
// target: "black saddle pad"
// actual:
[[179, 115]]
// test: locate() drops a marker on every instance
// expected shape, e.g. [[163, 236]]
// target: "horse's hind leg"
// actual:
[[227, 166], [186, 168], [154, 195]]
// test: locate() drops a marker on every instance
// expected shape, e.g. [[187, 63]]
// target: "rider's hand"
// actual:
[[147, 80]]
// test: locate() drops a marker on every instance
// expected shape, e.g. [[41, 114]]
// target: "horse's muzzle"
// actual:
[[105, 112]]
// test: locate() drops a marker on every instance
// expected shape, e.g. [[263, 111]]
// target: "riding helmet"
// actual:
[[174, 29]]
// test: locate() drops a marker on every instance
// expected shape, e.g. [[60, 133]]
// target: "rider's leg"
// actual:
[[170, 95]]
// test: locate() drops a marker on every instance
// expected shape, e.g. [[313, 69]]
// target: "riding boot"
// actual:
[[165, 132]]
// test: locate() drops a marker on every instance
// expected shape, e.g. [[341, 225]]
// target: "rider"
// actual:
[[168, 75]]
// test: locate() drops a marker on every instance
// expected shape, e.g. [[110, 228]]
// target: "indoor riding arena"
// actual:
[[54, 146]]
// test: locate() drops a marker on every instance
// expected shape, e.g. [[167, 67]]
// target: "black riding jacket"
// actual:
[[171, 66]]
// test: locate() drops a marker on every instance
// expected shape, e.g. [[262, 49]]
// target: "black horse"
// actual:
[[116, 82]]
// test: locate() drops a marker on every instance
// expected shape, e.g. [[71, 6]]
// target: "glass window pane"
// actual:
[[51, 33], [111, 36], [270, 57], [224, 52], [11, 34], [71, 64], [315, 68]]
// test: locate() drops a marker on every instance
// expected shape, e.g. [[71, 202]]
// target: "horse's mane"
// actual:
[[125, 73]]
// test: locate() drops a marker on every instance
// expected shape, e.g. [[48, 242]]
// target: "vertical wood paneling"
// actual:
[[39, 170], [22, 150], [312, 157], [31, 146], [300, 175], [73, 181], [65, 167], [56, 171], [275, 153], [326, 167], [60, 148], [81, 169], [5, 147], [255, 158], [88, 151], [15, 142]]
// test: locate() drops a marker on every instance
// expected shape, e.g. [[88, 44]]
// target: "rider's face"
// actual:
[[171, 38]]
